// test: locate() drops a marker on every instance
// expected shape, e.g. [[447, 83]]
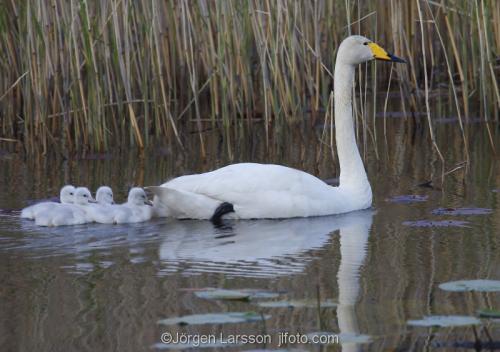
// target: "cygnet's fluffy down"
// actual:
[[68, 214], [103, 210], [137, 209], [66, 196], [104, 196]]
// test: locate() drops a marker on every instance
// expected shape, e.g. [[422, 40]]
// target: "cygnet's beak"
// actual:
[[380, 53], [92, 200], [148, 202]]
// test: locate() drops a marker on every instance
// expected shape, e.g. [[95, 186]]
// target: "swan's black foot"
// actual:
[[221, 210]]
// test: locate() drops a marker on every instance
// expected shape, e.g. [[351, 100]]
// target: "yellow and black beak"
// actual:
[[381, 54]]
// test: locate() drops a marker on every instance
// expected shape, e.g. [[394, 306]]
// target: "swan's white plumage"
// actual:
[[65, 197], [104, 195], [274, 191], [136, 209], [102, 211], [139, 204], [256, 191], [68, 214]]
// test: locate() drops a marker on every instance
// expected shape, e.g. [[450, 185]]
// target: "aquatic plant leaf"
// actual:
[[489, 313], [462, 211], [471, 285], [304, 303], [234, 295], [325, 337], [229, 295], [445, 321], [215, 318], [263, 294], [436, 223], [408, 198]]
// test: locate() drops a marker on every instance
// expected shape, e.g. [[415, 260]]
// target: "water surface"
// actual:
[[105, 287]]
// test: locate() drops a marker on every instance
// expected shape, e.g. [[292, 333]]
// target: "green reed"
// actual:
[[93, 75]]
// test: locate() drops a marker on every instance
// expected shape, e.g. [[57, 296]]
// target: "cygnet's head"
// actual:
[[137, 196], [357, 49], [83, 196], [104, 195], [66, 195]]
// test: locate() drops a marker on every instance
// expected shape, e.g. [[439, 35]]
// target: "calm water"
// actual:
[[100, 287]]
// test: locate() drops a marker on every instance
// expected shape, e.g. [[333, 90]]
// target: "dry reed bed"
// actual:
[[90, 75]]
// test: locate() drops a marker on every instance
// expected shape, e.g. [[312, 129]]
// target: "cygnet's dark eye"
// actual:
[[366, 43], [71, 193], [86, 196]]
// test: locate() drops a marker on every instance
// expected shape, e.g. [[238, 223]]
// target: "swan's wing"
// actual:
[[256, 190], [248, 179], [183, 204]]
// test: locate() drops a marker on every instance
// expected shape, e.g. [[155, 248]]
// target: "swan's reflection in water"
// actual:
[[269, 248], [353, 245], [264, 248]]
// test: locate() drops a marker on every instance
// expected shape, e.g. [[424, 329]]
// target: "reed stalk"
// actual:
[[83, 75]]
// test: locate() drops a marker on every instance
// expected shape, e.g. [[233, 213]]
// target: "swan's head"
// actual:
[[104, 195], [83, 196], [67, 194], [357, 49], [137, 196]]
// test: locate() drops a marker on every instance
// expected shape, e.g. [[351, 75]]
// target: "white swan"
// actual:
[[104, 196], [68, 214], [137, 209], [65, 197], [273, 191]]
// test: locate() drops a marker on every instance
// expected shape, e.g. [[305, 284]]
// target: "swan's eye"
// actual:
[[71, 193], [366, 43], [86, 196]]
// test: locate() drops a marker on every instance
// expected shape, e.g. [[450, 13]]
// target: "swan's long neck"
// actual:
[[352, 171]]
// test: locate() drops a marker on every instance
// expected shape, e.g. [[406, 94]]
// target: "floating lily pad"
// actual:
[[462, 211], [406, 199], [328, 338], [471, 285], [304, 303], [229, 295], [489, 313], [445, 321], [215, 318], [436, 223], [264, 294], [234, 295]]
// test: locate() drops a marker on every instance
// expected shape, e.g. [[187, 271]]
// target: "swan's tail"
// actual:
[[28, 213], [160, 208], [169, 202]]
